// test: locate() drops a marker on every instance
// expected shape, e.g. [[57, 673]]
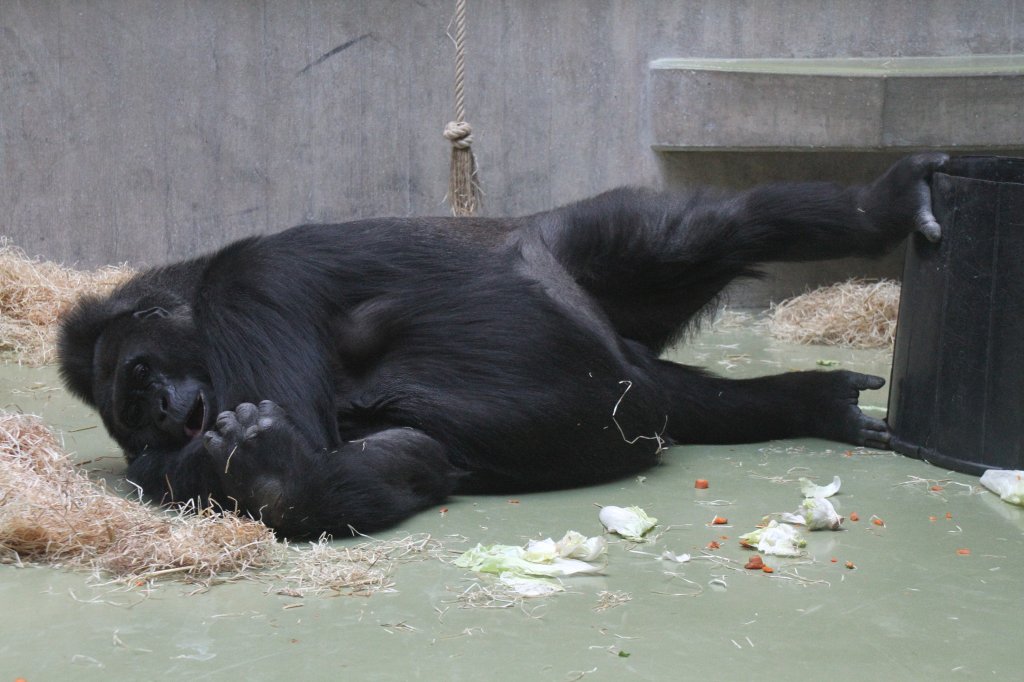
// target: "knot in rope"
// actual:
[[459, 134]]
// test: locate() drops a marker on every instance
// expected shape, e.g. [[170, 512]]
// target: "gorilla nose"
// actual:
[[162, 409]]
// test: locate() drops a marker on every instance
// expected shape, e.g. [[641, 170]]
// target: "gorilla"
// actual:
[[340, 378]]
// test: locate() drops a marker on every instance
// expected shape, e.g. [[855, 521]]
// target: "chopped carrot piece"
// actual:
[[720, 521], [932, 518], [937, 488], [701, 484], [835, 560], [877, 521], [713, 545], [849, 564], [756, 563], [767, 569], [854, 516], [949, 515], [963, 551]]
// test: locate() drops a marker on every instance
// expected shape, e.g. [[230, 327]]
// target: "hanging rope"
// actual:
[[463, 189]]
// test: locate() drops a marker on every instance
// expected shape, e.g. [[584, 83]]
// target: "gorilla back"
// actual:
[[337, 377]]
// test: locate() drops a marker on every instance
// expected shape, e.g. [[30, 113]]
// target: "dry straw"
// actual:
[[359, 570], [856, 314], [51, 513], [34, 293]]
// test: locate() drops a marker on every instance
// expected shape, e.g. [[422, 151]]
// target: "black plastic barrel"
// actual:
[[956, 398]]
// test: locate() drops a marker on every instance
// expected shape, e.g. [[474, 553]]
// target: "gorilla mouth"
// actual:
[[195, 422]]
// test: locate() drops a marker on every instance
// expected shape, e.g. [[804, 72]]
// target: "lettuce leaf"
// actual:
[[629, 522]]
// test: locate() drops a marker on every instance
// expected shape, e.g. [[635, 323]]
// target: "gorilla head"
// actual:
[[137, 361]]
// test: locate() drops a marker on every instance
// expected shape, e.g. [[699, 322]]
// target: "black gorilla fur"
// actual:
[[346, 376]]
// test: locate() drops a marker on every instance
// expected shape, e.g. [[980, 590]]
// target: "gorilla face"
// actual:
[[148, 381]]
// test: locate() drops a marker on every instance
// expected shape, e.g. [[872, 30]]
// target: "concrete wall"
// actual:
[[143, 131]]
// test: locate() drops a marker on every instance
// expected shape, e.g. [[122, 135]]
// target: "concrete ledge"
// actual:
[[788, 104]]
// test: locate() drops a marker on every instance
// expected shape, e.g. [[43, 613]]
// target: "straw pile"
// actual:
[[50, 512], [33, 294], [856, 314]]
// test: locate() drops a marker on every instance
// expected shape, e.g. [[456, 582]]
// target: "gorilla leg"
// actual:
[[269, 470], [653, 260], [707, 409]]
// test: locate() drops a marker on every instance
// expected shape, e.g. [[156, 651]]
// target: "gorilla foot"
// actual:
[[251, 448], [242, 430], [843, 419]]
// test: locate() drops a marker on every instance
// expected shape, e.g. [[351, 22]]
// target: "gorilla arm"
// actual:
[[268, 469], [254, 461], [186, 476]]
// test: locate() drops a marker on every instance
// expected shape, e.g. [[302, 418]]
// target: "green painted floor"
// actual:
[[913, 608]]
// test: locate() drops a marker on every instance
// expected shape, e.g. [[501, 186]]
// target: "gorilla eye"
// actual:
[[141, 373]]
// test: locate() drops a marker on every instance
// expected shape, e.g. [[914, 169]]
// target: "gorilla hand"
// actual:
[[900, 200]]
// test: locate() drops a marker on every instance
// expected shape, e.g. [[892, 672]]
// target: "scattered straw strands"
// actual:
[[361, 570], [491, 594], [855, 313], [34, 293], [609, 600], [52, 513]]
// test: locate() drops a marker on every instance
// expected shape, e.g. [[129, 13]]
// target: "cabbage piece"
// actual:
[[810, 489], [630, 522], [526, 586], [539, 558], [776, 538], [575, 545], [678, 558], [1009, 485], [820, 514], [541, 551], [816, 513]]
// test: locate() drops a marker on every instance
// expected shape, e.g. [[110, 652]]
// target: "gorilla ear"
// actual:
[[80, 328]]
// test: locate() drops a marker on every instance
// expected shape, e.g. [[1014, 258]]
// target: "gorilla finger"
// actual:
[[924, 221], [251, 432], [866, 382], [246, 412], [871, 424], [877, 441], [928, 226], [213, 441], [225, 420], [268, 406]]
